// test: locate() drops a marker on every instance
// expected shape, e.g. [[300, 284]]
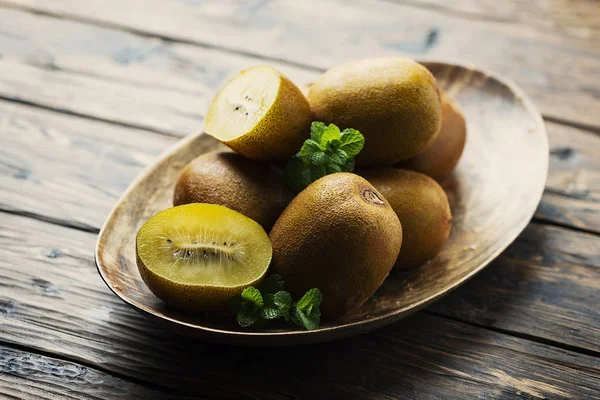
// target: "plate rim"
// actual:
[[344, 330]]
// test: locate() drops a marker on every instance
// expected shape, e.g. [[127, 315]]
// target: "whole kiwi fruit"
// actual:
[[439, 159], [253, 188], [394, 102], [422, 207], [339, 235]]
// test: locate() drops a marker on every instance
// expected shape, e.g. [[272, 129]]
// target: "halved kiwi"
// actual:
[[196, 257], [260, 114]]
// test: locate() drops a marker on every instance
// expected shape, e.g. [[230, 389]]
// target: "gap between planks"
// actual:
[[173, 39], [520, 335], [96, 366]]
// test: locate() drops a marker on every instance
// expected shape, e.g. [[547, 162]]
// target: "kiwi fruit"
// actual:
[[253, 188], [260, 114], [339, 235], [439, 159], [394, 102], [422, 207], [196, 257]]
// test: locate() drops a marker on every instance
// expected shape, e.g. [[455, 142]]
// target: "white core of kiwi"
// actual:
[[242, 103]]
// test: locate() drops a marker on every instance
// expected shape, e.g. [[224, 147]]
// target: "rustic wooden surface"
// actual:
[[92, 91]]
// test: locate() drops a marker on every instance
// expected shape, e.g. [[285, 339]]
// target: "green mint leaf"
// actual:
[[333, 145], [316, 159], [308, 148], [333, 168], [249, 305], [348, 166], [311, 299], [283, 300], [306, 312], [326, 152], [277, 305], [316, 131], [308, 322], [317, 172], [332, 132], [247, 319], [352, 142], [272, 284], [297, 175], [270, 310], [337, 157], [252, 295]]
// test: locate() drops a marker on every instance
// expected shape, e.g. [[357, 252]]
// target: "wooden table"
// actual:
[[91, 91]]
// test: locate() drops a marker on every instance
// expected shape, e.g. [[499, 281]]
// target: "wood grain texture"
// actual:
[[526, 288], [114, 75], [26, 375], [53, 300], [493, 193], [557, 71], [578, 19]]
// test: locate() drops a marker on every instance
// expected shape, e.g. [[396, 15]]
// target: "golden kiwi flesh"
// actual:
[[260, 114], [196, 257]]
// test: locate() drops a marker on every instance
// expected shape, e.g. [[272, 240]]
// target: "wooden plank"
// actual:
[[572, 194], [557, 71], [26, 375], [114, 75], [73, 170], [54, 300], [70, 170], [573, 18], [545, 285]]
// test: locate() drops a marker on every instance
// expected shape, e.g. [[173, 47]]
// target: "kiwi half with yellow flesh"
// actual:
[[253, 188], [439, 159], [260, 114], [339, 235], [394, 102], [196, 257], [422, 207]]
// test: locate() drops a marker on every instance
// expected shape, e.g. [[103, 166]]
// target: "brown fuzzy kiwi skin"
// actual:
[[338, 235], [422, 207], [394, 102], [439, 159], [252, 188], [281, 131], [191, 298]]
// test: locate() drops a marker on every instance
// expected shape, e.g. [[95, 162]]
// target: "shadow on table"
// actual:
[[425, 354]]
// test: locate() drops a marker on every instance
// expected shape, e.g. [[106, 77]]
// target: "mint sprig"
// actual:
[[251, 305], [326, 152], [277, 305], [255, 306], [306, 312]]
